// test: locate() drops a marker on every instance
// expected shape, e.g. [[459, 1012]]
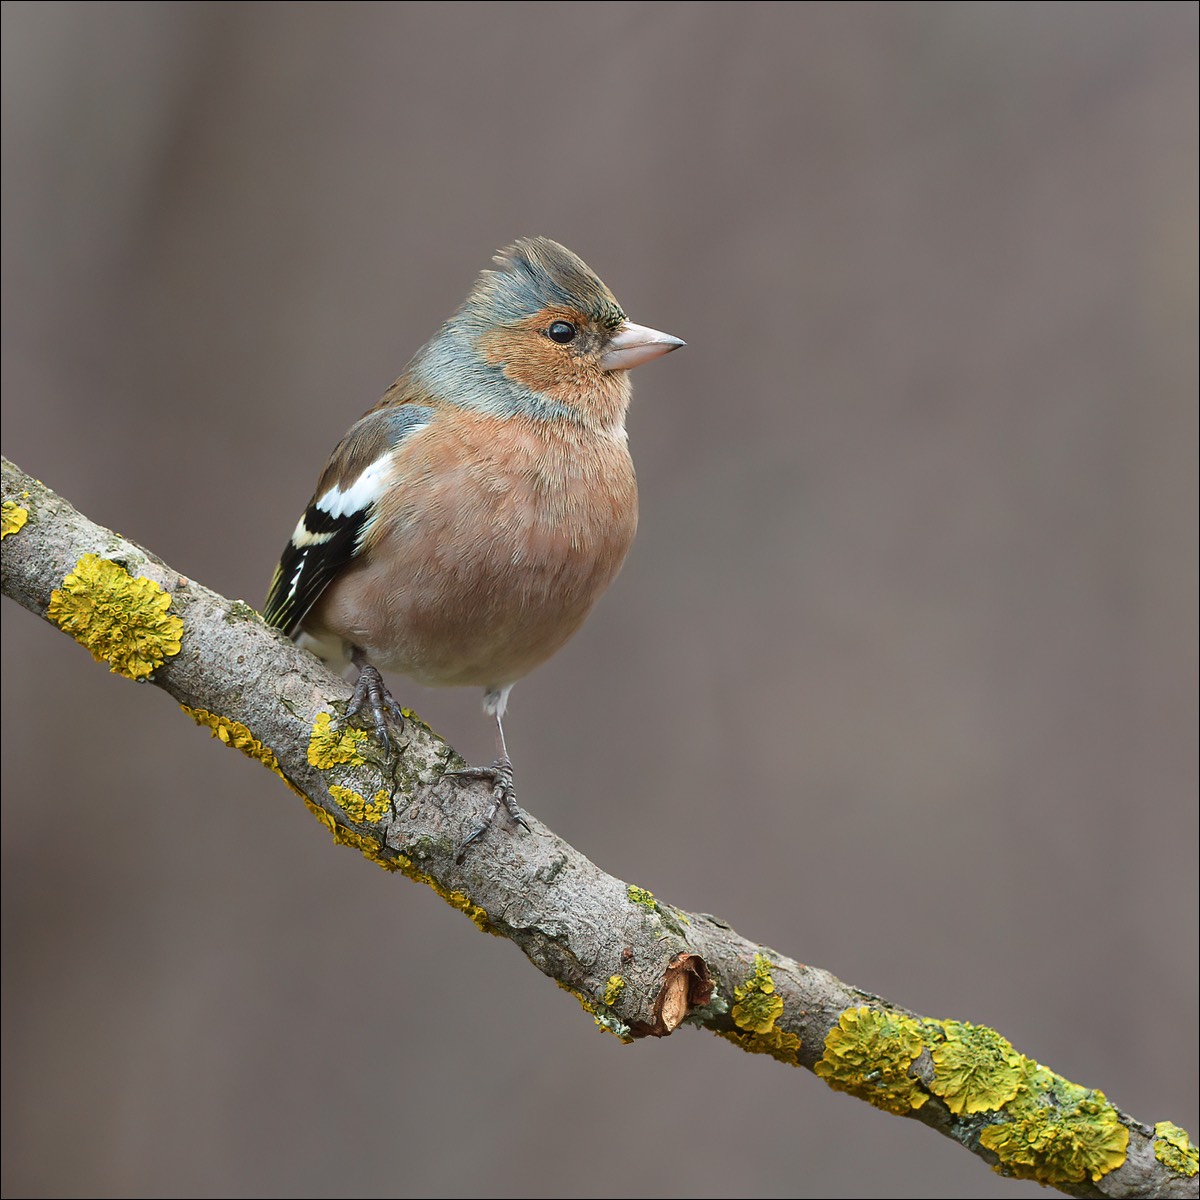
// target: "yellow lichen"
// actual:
[[373, 850], [237, 735], [12, 518], [332, 747], [357, 807], [757, 1008], [605, 1021], [613, 990], [868, 1054], [325, 818], [641, 896], [1057, 1132], [778, 1043], [123, 621], [368, 847], [584, 1002], [975, 1068], [1174, 1149], [459, 900], [755, 1011]]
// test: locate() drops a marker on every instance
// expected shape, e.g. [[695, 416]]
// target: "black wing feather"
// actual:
[[305, 571], [327, 542]]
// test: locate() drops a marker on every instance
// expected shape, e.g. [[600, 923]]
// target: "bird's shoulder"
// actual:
[[402, 412]]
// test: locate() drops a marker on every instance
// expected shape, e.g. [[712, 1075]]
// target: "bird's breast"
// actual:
[[488, 552]]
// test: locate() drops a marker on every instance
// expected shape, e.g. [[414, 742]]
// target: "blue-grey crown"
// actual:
[[537, 273]]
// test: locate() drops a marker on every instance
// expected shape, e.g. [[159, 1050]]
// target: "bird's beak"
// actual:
[[633, 345]]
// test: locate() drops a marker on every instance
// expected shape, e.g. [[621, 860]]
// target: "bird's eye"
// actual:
[[561, 332]]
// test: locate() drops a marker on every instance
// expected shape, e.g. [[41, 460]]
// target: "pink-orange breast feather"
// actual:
[[489, 550]]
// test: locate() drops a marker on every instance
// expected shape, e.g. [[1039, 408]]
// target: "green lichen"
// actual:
[[642, 896], [975, 1069], [1175, 1150], [613, 990], [357, 807], [238, 611], [1057, 1132], [673, 921], [868, 1054], [123, 621], [717, 1006], [612, 1024], [329, 746], [12, 518]]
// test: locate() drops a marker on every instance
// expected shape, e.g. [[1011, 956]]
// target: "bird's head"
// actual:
[[550, 334]]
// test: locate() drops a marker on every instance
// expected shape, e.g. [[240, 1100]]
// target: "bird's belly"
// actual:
[[480, 593]]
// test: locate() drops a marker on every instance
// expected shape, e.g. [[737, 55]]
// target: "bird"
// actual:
[[464, 527]]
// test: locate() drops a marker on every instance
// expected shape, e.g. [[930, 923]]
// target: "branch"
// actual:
[[638, 965]]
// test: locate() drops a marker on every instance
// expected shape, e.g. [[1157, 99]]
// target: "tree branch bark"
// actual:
[[638, 965]]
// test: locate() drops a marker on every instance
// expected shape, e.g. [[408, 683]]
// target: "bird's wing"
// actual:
[[331, 531]]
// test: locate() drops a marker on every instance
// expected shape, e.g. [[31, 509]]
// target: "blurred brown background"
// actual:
[[899, 678]]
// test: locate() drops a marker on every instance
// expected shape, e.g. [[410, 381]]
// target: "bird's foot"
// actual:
[[370, 692], [500, 776]]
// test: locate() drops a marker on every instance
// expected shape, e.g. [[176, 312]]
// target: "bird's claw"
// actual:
[[370, 692], [500, 775]]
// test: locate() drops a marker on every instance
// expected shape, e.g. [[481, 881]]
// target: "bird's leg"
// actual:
[[499, 774], [371, 692]]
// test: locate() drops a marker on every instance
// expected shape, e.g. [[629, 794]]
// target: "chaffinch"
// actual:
[[465, 526]]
